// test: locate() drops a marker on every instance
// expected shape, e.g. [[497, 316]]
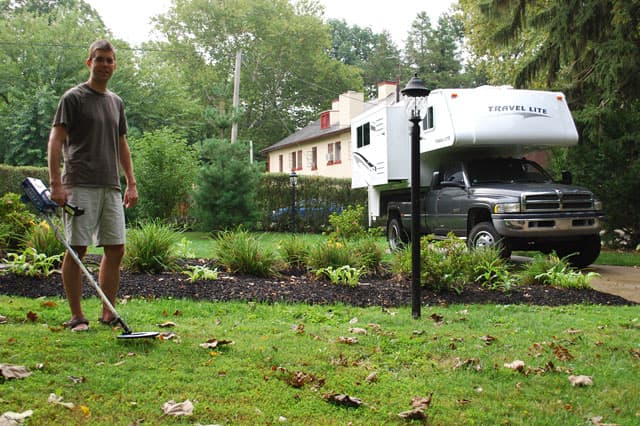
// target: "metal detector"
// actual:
[[37, 193]]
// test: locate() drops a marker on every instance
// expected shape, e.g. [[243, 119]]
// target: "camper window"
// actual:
[[363, 135], [427, 122]]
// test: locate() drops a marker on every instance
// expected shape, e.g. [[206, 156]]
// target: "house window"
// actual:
[[338, 153], [280, 163], [427, 122], [330, 154], [363, 135], [325, 120], [314, 158], [293, 161], [299, 160]]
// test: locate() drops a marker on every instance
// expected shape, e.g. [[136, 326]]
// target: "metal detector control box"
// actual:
[[37, 193]]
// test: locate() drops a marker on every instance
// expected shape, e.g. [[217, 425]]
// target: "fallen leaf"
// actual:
[[75, 379], [298, 328], [11, 418], [561, 352], [172, 408], [348, 340], [85, 410], [214, 343], [49, 304], [3, 319], [573, 331], [357, 330], [421, 401], [436, 318], [488, 339], [167, 336], [353, 320], [415, 414], [9, 371], [373, 377], [581, 380], [516, 365], [343, 399], [471, 363], [32, 316], [55, 399], [167, 324]]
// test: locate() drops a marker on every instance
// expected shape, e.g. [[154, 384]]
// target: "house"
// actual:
[[323, 148]]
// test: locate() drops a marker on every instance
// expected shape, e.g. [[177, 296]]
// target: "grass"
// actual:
[[286, 359]]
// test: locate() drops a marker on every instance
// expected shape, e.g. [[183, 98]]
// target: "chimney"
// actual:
[[334, 116], [386, 88], [350, 105]]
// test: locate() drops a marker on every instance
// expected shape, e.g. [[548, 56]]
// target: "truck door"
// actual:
[[451, 201]]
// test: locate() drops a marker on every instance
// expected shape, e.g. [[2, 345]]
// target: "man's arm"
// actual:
[[131, 192], [57, 137]]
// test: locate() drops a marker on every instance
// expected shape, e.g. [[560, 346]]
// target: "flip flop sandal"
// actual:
[[111, 323], [74, 324]]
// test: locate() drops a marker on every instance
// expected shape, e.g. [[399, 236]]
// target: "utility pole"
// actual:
[[236, 96]]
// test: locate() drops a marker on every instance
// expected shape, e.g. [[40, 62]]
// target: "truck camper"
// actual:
[[475, 178]]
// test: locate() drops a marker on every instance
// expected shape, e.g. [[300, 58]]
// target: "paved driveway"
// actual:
[[623, 281]]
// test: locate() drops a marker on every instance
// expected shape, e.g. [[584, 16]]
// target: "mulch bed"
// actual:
[[298, 288]]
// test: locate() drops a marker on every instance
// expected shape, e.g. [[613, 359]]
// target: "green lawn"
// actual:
[[286, 361]]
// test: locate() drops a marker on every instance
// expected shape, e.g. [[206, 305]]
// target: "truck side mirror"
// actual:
[[435, 179], [567, 178]]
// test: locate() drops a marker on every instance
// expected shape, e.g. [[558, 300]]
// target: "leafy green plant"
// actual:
[[491, 270], [345, 274], [554, 271], [201, 272], [367, 254], [184, 248], [239, 251], [44, 239], [151, 247], [446, 264], [30, 263]]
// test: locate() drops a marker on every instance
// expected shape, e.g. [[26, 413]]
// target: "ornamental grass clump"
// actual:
[[151, 247], [294, 251], [239, 251]]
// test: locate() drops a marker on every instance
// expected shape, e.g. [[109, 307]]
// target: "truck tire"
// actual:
[[484, 234], [396, 235], [582, 253]]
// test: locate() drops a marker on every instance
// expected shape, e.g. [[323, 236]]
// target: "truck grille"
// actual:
[[557, 201]]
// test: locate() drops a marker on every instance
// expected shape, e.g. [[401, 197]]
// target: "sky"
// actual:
[[129, 19]]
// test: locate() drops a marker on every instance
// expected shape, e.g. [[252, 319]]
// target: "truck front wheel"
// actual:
[[582, 253], [396, 234], [484, 234]]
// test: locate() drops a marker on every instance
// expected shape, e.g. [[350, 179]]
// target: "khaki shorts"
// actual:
[[102, 223]]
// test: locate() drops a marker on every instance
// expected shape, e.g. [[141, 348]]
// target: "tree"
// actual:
[[41, 58], [225, 194], [287, 77]]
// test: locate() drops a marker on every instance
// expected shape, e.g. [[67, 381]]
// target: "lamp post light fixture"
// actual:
[[416, 93], [293, 180]]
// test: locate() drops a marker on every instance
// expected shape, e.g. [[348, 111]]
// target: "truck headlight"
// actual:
[[507, 208]]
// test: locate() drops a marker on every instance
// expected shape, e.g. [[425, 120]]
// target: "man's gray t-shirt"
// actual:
[[94, 122]]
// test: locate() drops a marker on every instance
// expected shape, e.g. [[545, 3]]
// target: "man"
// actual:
[[89, 131]]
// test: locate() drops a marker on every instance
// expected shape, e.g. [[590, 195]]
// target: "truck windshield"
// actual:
[[505, 170]]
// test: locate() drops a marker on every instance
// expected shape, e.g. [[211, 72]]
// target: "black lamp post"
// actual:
[[416, 93], [293, 180]]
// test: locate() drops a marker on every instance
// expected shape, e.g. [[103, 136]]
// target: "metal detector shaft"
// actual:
[[86, 272]]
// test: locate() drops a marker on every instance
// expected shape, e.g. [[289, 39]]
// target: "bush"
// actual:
[[348, 224], [368, 254], [164, 166], [554, 271], [329, 254], [240, 251], [15, 222], [151, 247]]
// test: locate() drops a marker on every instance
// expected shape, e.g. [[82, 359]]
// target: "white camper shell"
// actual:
[[501, 119]]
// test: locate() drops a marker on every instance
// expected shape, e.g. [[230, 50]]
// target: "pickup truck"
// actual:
[[508, 201]]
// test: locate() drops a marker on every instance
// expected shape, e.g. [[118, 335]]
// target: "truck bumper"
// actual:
[[548, 225]]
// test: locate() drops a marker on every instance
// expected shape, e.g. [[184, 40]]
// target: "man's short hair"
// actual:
[[101, 45]]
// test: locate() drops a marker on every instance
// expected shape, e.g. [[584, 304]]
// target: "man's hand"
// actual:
[[130, 196], [58, 194]]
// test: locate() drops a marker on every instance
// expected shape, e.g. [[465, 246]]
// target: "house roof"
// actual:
[[308, 134]]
